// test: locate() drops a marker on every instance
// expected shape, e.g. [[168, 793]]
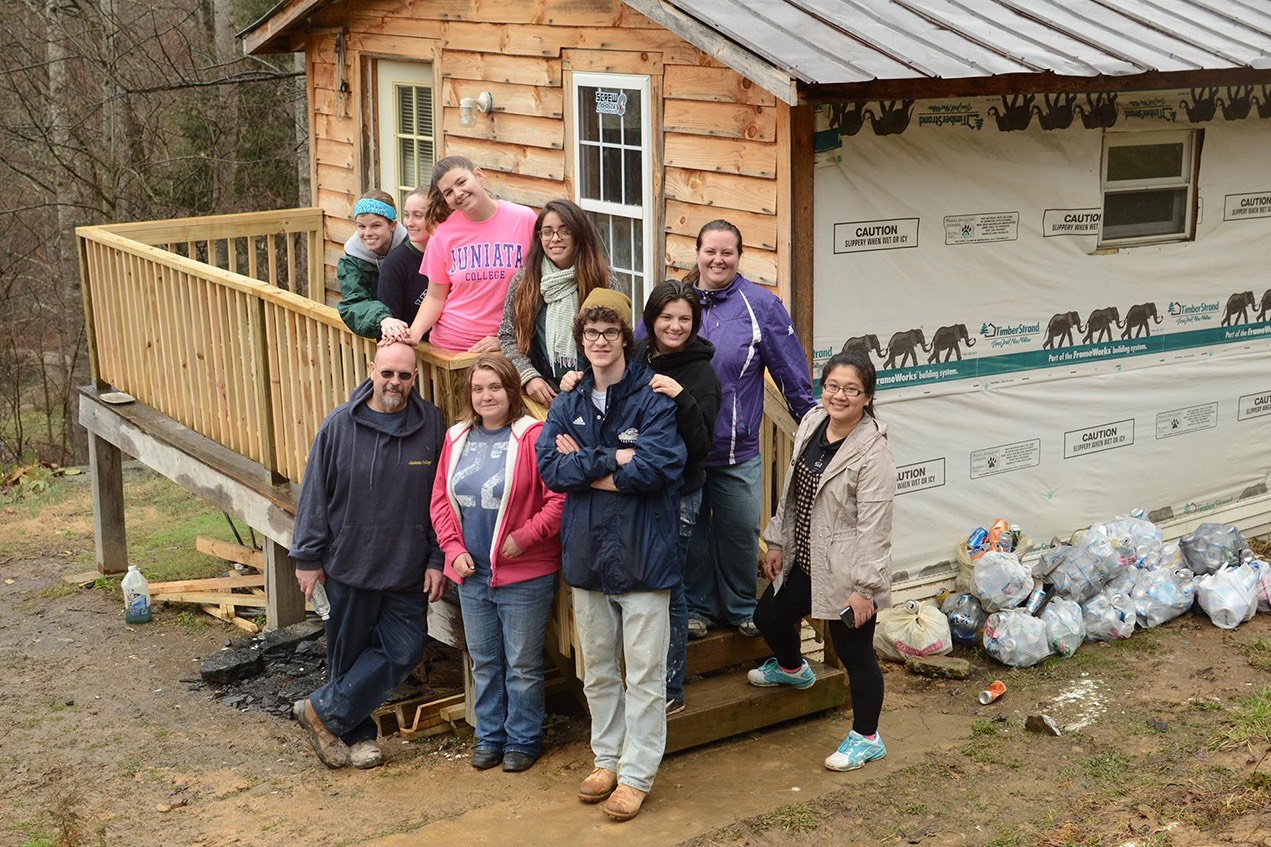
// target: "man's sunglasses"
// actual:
[[403, 376]]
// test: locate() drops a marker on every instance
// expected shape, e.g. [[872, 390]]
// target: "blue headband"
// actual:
[[369, 206]]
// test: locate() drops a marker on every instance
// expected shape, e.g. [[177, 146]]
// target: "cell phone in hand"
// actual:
[[849, 617]]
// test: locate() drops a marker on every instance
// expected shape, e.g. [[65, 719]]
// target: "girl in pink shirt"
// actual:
[[470, 259]]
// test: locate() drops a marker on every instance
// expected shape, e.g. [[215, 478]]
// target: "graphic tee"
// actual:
[[478, 484], [477, 261]]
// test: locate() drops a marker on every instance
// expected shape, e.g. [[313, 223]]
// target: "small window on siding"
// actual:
[[1149, 193], [413, 137]]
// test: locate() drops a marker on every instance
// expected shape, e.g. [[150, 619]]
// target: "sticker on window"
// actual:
[[611, 102]]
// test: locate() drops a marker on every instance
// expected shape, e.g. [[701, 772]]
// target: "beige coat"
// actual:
[[851, 518]]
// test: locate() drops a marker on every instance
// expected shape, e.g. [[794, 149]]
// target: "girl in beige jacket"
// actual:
[[829, 549]]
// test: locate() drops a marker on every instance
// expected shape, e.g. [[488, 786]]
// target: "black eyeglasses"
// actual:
[[611, 334], [403, 376], [547, 233]]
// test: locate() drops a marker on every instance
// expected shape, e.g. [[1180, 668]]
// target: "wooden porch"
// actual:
[[205, 322]]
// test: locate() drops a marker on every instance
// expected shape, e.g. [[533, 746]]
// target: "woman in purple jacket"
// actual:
[[751, 331]]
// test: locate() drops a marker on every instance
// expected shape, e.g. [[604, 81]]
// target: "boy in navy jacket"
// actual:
[[611, 445]]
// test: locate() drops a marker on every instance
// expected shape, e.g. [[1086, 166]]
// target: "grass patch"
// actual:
[[1105, 767], [1251, 722], [794, 818], [1259, 654]]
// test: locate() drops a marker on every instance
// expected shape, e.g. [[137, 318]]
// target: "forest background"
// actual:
[[113, 111]]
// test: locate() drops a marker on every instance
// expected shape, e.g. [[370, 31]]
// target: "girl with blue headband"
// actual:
[[358, 270]]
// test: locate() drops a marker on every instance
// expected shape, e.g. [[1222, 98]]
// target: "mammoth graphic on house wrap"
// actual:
[[1099, 324], [1239, 304], [902, 344], [863, 344], [1136, 319], [1060, 329], [1265, 307], [946, 340]]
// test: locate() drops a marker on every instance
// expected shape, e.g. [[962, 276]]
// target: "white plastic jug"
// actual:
[[136, 596]]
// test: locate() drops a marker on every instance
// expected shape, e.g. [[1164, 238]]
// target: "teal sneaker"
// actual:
[[770, 674], [855, 751]]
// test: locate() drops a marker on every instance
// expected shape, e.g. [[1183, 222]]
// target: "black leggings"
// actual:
[[778, 616]]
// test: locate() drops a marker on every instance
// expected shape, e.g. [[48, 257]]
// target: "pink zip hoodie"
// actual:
[[529, 511]]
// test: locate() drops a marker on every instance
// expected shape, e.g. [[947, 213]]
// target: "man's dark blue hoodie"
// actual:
[[363, 512]]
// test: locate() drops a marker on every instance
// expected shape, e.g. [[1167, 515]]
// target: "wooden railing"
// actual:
[[776, 447], [236, 358]]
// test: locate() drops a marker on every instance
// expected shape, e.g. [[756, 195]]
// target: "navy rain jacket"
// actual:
[[617, 543]]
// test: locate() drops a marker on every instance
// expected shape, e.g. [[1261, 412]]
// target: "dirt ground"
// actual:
[[106, 739]]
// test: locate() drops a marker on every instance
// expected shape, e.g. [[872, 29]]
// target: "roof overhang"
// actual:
[[276, 31]]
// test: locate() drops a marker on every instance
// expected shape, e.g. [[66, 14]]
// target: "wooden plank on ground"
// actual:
[[213, 598], [224, 613], [230, 552], [217, 583]]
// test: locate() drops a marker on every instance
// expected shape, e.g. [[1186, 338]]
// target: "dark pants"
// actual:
[[778, 616], [374, 640]]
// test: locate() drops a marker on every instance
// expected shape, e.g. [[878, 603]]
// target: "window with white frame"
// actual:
[[406, 140], [614, 172], [1149, 190]]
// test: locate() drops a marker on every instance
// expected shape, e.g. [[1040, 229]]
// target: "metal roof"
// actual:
[[846, 42]]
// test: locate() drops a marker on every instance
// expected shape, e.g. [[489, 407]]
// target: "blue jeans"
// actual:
[[677, 653], [374, 640], [628, 711], [721, 573], [505, 628]]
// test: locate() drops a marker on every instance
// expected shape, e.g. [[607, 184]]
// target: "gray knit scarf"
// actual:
[[559, 288]]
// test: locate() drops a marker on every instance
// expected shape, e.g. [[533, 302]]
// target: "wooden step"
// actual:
[[726, 705], [724, 648]]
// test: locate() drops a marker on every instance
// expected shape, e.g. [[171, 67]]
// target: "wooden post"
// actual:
[[105, 462], [284, 601], [801, 199]]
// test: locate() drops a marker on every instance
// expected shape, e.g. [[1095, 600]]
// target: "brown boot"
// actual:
[[331, 751], [598, 785], [625, 802]]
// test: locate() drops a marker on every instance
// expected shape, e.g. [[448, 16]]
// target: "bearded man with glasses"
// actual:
[[363, 531]]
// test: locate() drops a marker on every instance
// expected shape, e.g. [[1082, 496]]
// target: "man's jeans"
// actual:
[[374, 640], [628, 724], [505, 628], [677, 655], [721, 573]]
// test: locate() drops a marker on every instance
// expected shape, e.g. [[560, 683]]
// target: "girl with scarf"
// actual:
[[565, 263]]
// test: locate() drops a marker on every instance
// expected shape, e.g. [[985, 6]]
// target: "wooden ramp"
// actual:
[[720, 703]]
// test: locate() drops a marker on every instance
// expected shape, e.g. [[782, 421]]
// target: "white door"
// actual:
[[406, 133]]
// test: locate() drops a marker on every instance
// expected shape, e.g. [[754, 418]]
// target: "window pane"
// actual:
[[1146, 161], [588, 118], [423, 111], [610, 128], [633, 182], [631, 120], [589, 172], [405, 109], [620, 247], [611, 185], [408, 166], [1135, 214]]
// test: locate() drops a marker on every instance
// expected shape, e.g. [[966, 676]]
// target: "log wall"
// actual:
[[719, 135]]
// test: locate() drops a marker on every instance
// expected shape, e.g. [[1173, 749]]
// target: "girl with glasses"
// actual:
[[566, 262], [829, 549]]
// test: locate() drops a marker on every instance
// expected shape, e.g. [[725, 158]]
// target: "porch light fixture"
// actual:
[[482, 103]]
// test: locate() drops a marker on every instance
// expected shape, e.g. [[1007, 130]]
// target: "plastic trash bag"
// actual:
[[1109, 617], [1076, 573], [912, 629], [1016, 638], [1065, 626], [1133, 539], [1098, 543], [1162, 594], [1262, 590], [1123, 581], [966, 567], [1168, 555], [1228, 595], [1001, 581], [1212, 546], [966, 616]]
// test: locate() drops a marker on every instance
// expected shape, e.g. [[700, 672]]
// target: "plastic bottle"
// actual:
[[136, 596], [321, 605]]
